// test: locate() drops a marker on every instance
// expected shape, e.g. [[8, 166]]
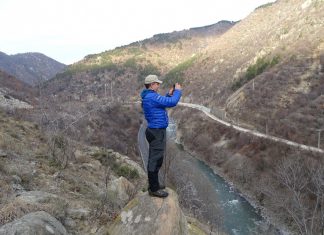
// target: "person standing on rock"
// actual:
[[154, 106]]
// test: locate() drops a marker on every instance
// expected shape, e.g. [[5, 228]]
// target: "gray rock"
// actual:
[[58, 175], [40, 223], [3, 153], [147, 215], [70, 223], [12, 103], [18, 188], [16, 179], [34, 197]]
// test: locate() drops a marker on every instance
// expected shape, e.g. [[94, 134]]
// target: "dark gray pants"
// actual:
[[157, 144]]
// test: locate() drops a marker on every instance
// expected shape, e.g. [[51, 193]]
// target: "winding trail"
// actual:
[[206, 111]]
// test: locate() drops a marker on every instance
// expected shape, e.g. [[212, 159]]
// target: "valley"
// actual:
[[252, 110]]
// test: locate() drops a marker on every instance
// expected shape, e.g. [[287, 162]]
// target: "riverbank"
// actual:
[[233, 211], [246, 194]]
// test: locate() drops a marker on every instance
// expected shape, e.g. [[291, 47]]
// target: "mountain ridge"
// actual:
[[31, 67]]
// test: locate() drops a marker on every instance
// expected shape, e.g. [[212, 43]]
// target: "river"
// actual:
[[237, 214]]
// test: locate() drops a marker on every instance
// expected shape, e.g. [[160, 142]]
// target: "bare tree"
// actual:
[[300, 193]]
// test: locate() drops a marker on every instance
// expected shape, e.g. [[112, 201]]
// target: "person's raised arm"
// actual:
[[170, 100], [170, 93]]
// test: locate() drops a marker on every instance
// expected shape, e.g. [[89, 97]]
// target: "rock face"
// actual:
[[147, 215], [8, 102], [40, 223]]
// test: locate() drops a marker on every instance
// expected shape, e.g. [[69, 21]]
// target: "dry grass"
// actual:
[[12, 211], [17, 209], [20, 137]]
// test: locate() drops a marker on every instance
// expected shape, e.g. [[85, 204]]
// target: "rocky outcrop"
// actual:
[[9, 102], [40, 223], [150, 215]]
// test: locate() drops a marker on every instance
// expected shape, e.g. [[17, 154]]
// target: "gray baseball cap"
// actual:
[[152, 78]]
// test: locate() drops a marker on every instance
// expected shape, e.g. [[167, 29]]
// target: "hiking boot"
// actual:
[[161, 186], [159, 193]]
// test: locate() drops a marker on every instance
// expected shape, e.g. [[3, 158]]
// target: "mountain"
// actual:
[[30, 68], [131, 63]]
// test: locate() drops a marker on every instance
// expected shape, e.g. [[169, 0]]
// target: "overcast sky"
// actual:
[[68, 30]]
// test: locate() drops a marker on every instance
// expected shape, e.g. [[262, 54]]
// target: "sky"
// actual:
[[68, 30]]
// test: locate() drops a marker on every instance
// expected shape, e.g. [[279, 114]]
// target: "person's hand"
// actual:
[[171, 90], [178, 86]]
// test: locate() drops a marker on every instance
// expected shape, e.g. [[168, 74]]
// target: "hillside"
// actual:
[[13, 89], [30, 68], [73, 182], [267, 71]]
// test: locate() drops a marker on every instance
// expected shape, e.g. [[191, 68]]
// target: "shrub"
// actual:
[[104, 157], [254, 70], [127, 172], [135, 51], [147, 70], [265, 5], [176, 74], [131, 63], [61, 150], [118, 168]]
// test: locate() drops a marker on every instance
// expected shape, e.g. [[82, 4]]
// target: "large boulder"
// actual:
[[40, 223], [147, 215]]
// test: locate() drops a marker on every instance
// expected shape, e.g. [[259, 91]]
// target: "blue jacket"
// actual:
[[154, 107]]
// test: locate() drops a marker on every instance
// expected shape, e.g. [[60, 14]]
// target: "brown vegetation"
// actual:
[[16, 88]]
